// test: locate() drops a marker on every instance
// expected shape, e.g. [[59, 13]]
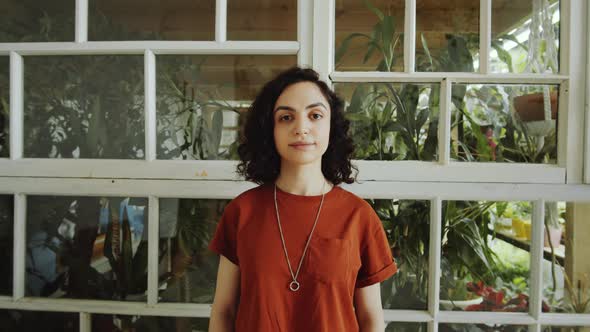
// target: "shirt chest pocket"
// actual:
[[329, 259]]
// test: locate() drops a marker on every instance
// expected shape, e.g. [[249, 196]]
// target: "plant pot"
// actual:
[[530, 107], [462, 304]]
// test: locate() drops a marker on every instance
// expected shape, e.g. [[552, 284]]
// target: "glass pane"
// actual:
[[84, 107], [6, 243], [87, 247], [525, 38], [4, 107], [504, 123], [447, 36], [200, 100], [37, 21], [407, 225], [151, 20], [392, 121], [122, 323], [566, 273], [481, 328], [405, 327], [34, 321], [369, 35], [262, 20], [485, 256], [187, 269]]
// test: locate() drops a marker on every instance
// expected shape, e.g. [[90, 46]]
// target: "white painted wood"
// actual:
[[536, 259], [323, 38], [565, 319], [153, 250], [571, 44], [85, 322], [485, 35], [458, 172], [562, 123], [587, 102], [220, 21], [406, 316], [158, 47], [516, 318], [109, 168], [434, 257], [535, 328], [305, 32], [444, 123], [109, 307], [432, 77], [81, 21], [410, 37], [150, 105], [16, 106], [565, 37], [432, 326], [230, 189], [226, 170], [19, 248], [470, 191], [203, 310]]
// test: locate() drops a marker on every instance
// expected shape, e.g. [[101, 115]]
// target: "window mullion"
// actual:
[[220, 21], [323, 38], [434, 258], [485, 35], [85, 322], [304, 32], [150, 105], [536, 252], [535, 327], [410, 37], [16, 106], [444, 122], [587, 101], [81, 21], [153, 254], [19, 246]]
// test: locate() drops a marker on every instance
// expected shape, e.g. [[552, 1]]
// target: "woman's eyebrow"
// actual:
[[288, 108]]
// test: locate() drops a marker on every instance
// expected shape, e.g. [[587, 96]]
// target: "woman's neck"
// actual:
[[305, 180]]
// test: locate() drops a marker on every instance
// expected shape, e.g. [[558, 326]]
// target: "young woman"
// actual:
[[298, 252]]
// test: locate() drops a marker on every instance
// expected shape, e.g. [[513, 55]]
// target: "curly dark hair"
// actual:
[[260, 161]]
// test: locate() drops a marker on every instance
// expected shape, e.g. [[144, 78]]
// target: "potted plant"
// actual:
[[530, 107]]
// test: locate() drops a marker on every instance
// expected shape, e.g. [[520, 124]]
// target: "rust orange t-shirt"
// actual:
[[348, 250]]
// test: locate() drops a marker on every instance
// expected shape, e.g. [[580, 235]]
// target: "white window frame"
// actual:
[[436, 182]]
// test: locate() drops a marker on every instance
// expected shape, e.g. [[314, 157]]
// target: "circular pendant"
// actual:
[[294, 285]]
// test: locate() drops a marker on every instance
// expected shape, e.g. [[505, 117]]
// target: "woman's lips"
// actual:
[[300, 146]]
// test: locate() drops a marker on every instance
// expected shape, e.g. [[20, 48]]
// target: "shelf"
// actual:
[[525, 244]]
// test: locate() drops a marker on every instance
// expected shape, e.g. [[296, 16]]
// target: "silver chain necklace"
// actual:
[[294, 285]]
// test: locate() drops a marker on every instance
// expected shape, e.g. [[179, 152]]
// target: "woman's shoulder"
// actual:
[[350, 199], [250, 195]]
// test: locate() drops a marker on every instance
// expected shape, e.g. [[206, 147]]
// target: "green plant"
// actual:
[[388, 124], [130, 269], [193, 223], [194, 111], [383, 39]]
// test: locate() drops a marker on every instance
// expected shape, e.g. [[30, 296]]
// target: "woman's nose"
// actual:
[[301, 127]]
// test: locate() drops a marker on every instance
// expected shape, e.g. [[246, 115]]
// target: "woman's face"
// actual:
[[301, 124]]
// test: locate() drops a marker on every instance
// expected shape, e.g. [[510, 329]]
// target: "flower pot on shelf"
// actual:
[[530, 107], [461, 304]]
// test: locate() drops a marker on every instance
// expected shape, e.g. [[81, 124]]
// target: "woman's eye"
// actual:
[[282, 118], [317, 116]]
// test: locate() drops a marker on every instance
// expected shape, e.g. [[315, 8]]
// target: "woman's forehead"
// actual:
[[302, 95]]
